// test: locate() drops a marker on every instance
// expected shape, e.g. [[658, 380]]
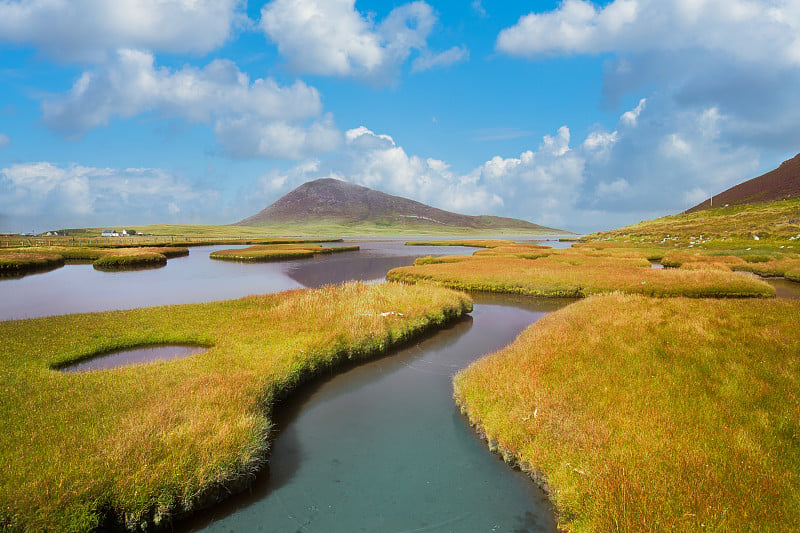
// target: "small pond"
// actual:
[[134, 356]]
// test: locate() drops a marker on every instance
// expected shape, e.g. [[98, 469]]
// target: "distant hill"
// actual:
[[332, 201], [778, 184]]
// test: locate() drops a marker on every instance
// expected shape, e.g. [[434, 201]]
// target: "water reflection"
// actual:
[[135, 356], [382, 447]]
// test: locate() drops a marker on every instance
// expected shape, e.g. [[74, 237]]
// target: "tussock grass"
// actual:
[[278, 252], [684, 419], [14, 263], [101, 257], [133, 445], [573, 273]]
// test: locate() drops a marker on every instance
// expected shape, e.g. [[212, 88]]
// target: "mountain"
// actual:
[[778, 184], [332, 201]]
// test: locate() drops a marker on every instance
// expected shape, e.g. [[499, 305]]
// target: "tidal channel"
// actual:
[[380, 447]]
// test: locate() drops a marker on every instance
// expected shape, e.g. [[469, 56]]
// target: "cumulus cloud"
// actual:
[[750, 30], [644, 168], [332, 38], [89, 29], [741, 57], [251, 119], [52, 196]]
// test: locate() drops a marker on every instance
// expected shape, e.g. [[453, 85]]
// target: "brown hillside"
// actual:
[[778, 184], [338, 201]]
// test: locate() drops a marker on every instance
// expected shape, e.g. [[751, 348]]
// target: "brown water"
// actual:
[[134, 356]]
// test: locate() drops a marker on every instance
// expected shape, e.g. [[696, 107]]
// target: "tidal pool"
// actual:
[[134, 356], [382, 447]]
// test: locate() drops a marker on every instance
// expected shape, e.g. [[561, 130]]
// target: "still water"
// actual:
[[382, 446]]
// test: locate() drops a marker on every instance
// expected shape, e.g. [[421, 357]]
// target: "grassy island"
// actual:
[[278, 252], [539, 271], [28, 259], [134, 446], [643, 414]]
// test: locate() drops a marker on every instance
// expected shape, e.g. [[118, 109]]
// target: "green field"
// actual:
[[134, 446]]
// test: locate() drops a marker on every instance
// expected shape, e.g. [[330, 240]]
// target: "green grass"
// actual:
[[134, 445], [773, 223], [278, 252], [651, 415], [574, 273], [130, 262]]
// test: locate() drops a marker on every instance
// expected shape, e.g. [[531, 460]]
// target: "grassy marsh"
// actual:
[[529, 270], [131, 446], [101, 258], [278, 252], [16, 263], [684, 419]]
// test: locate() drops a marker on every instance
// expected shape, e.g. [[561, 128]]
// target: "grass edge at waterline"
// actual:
[[134, 447], [684, 419]]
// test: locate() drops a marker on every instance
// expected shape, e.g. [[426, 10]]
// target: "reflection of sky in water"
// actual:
[[382, 447], [196, 278]]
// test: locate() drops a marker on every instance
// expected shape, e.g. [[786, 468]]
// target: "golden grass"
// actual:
[[102, 258], [576, 273], [652, 415], [15, 263], [278, 252], [131, 446]]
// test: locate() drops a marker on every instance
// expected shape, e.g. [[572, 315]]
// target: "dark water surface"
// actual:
[[382, 447]]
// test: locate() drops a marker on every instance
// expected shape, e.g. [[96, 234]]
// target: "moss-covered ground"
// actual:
[[135, 445]]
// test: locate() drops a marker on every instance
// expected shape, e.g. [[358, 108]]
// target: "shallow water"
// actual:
[[382, 447], [196, 278], [134, 356]]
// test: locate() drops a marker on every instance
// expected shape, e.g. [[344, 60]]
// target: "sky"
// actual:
[[573, 114]]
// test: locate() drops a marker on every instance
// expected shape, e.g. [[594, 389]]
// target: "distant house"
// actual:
[[109, 233]]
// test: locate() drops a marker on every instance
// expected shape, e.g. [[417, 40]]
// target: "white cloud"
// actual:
[[428, 60], [51, 196], [251, 119], [332, 38], [90, 29], [644, 168], [5, 140], [740, 58], [749, 30]]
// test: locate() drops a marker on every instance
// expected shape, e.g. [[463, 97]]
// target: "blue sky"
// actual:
[[575, 114]]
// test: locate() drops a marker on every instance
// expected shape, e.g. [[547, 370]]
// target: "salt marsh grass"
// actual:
[[684, 418], [132, 446]]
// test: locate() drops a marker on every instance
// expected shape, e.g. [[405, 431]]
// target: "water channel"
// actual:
[[380, 447]]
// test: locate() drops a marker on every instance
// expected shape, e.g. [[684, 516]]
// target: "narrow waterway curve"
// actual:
[[382, 447]]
